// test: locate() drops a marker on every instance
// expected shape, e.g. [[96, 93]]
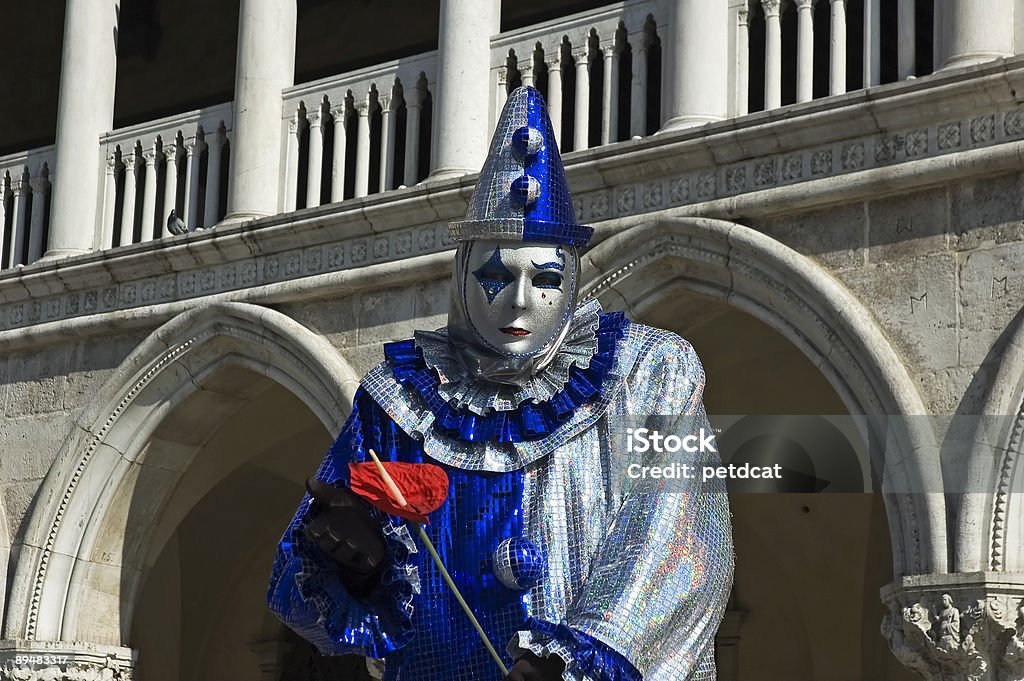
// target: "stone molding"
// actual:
[[689, 171], [958, 626], [61, 661]]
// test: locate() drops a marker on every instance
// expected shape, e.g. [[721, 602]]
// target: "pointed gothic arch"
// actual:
[[798, 298], [83, 574]]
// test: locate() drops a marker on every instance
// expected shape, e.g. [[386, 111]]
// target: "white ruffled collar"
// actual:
[[462, 390]]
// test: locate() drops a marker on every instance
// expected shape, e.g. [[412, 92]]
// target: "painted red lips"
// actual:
[[515, 331]]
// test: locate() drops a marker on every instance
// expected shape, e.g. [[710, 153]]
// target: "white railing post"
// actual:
[[638, 93], [609, 86], [582, 118], [387, 140], [106, 232], [264, 66], [149, 196], [555, 93], [170, 184], [872, 42], [314, 169], [772, 55], [697, 89], [128, 204], [805, 51], [39, 186], [193, 155], [837, 53], [212, 207], [339, 152], [742, 61], [19, 220], [413, 105], [292, 168], [906, 52], [362, 107]]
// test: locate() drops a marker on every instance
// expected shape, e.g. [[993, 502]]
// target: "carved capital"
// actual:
[[293, 129], [149, 155], [581, 54], [111, 164], [413, 97], [743, 16], [804, 4], [502, 75], [608, 51], [171, 153], [362, 107], [385, 103], [19, 186], [129, 160], [39, 184], [526, 68], [771, 8], [48, 661], [313, 118], [959, 630], [554, 63]]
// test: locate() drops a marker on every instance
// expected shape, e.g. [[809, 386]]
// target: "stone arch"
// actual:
[[798, 298], [989, 531], [68, 562]]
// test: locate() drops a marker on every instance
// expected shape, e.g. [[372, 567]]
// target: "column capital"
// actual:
[[581, 53], [804, 4], [171, 153], [502, 75], [314, 118], [19, 186], [362, 107], [963, 625], [554, 63], [743, 15], [293, 126], [609, 50], [771, 8], [129, 160], [39, 184], [150, 157], [413, 97], [385, 103], [111, 163], [338, 113], [526, 67]]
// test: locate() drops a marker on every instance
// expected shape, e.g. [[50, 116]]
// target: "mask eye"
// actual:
[[551, 280], [493, 276]]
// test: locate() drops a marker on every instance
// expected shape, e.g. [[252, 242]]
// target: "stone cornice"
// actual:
[[934, 130]]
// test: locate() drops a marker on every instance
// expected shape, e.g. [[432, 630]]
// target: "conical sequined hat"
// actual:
[[522, 194]]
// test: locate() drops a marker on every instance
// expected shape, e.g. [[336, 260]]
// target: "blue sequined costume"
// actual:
[[555, 548]]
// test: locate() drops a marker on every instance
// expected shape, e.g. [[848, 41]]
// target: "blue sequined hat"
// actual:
[[522, 194]]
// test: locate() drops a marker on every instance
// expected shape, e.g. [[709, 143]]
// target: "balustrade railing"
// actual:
[[359, 133], [24, 205], [179, 162], [600, 71]]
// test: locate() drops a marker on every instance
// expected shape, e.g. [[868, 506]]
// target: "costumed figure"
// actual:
[[573, 569]]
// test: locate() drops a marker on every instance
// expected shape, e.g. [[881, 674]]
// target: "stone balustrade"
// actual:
[[605, 57], [24, 205], [178, 162], [359, 133]]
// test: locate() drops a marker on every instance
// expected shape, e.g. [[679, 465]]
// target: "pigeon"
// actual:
[[176, 225]]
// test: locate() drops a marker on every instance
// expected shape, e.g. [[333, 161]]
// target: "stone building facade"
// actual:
[[824, 197]]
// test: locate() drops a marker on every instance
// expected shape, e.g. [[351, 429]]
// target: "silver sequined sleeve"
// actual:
[[661, 576]]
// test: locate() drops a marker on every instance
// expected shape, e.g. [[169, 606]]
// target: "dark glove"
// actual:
[[529, 667], [344, 529]]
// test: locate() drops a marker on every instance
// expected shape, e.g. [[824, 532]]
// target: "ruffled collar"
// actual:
[[533, 417], [462, 390]]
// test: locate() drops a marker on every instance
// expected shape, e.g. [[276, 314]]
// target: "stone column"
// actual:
[[387, 141], [39, 186], [316, 157], [526, 70], [555, 94], [837, 53], [170, 185], [363, 148], [264, 65], [338, 113], [193, 153], [19, 220], [106, 231], [212, 207], [975, 31], [128, 204], [149, 196], [85, 110], [610, 86], [413, 105], [638, 90], [906, 58], [772, 55], [291, 180], [698, 90], [957, 626], [805, 51], [742, 61], [581, 128], [461, 116], [872, 42]]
